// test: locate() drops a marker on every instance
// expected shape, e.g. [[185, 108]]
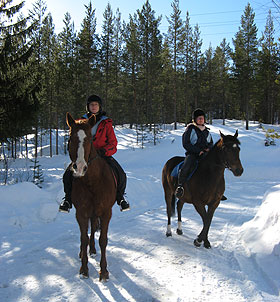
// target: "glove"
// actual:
[[101, 152]]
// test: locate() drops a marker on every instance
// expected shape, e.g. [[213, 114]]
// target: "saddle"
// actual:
[[176, 169]]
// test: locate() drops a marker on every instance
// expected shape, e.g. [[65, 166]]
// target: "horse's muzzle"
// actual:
[[80, 169], [237, 171]]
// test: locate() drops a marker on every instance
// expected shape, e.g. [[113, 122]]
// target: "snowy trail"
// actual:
[[39, 246], [144, 264]]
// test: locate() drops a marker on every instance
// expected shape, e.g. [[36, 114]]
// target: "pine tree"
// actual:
[[150, 64], [208, 75], [107, 53], [68, 77], [245, 60], [88, 58], [175, 40], [268, 70], [188, 66], [197, 43], [222, 80], [18, 88], [131, 67]]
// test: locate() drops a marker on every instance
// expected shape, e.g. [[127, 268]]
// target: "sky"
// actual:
[[217, 19], [39, 246]]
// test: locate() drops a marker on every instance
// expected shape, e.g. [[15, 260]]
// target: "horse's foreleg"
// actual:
[[210, 213], [180, 205], [94, 226], [202, 212], [207, 219], [83, 223], [103, 240]]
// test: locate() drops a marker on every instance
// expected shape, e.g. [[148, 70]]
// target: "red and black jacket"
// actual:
[[104, 139]]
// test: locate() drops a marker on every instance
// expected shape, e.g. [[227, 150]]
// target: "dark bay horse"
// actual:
[[93, 191], [207, 185]]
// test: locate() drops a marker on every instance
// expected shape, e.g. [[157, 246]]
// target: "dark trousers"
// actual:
[[186, 168], [120, 175], [117, 169]]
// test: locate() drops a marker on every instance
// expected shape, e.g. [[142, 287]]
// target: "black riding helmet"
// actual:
[[94, 98], [197, 112]]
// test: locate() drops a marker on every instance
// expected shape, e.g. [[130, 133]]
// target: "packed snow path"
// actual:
[[39, 246]]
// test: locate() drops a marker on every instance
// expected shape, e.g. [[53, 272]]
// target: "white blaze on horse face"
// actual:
[[81, 163]]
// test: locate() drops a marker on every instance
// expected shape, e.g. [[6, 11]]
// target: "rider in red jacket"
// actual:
[[105, 138], [105, 142]]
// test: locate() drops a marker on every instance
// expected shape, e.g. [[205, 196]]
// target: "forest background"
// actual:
[[146, 78]]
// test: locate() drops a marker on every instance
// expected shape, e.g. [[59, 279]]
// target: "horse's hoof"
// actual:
[[92, 253], [197, 242], [168, 234], [84, 272], [103, 276], [179, 232], [207, 244], [84, 275]]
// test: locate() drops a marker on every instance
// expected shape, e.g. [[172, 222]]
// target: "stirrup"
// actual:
[[65, 206], [179, 192], [124, 205]]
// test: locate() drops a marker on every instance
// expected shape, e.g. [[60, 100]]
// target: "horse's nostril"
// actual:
[[85, 168], [75, 166]]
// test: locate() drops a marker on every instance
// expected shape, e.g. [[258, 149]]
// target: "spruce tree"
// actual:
[[18, 88]]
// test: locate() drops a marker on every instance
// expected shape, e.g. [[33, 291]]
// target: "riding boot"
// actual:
[[121, 183], [122, 202], [183, 174], [66, 203]]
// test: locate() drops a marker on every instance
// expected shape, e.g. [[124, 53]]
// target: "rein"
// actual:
[[224, 164], [94, 158]]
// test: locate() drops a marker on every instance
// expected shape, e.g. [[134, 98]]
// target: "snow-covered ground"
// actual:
[[39, 246]]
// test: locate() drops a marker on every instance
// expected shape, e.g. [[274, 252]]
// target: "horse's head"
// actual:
[[230, 150], [80, 143]]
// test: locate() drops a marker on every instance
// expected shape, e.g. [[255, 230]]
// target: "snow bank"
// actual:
[[24, 203], [262, 233]]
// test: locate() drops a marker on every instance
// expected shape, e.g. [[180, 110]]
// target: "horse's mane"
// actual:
[[219, 144]]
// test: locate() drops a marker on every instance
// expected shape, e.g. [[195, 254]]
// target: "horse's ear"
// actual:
[[69, 120], [236, 133], [222, 135], [92, 120]]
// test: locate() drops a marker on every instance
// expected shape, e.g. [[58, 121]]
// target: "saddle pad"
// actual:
[[177, 168]]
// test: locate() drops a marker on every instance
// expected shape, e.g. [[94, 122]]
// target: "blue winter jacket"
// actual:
[[195, 140]]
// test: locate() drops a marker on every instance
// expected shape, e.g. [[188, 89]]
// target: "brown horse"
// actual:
[[207, 185], [93, 191]]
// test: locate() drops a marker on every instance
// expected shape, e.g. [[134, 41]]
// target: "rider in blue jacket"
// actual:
[[197, 141]]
